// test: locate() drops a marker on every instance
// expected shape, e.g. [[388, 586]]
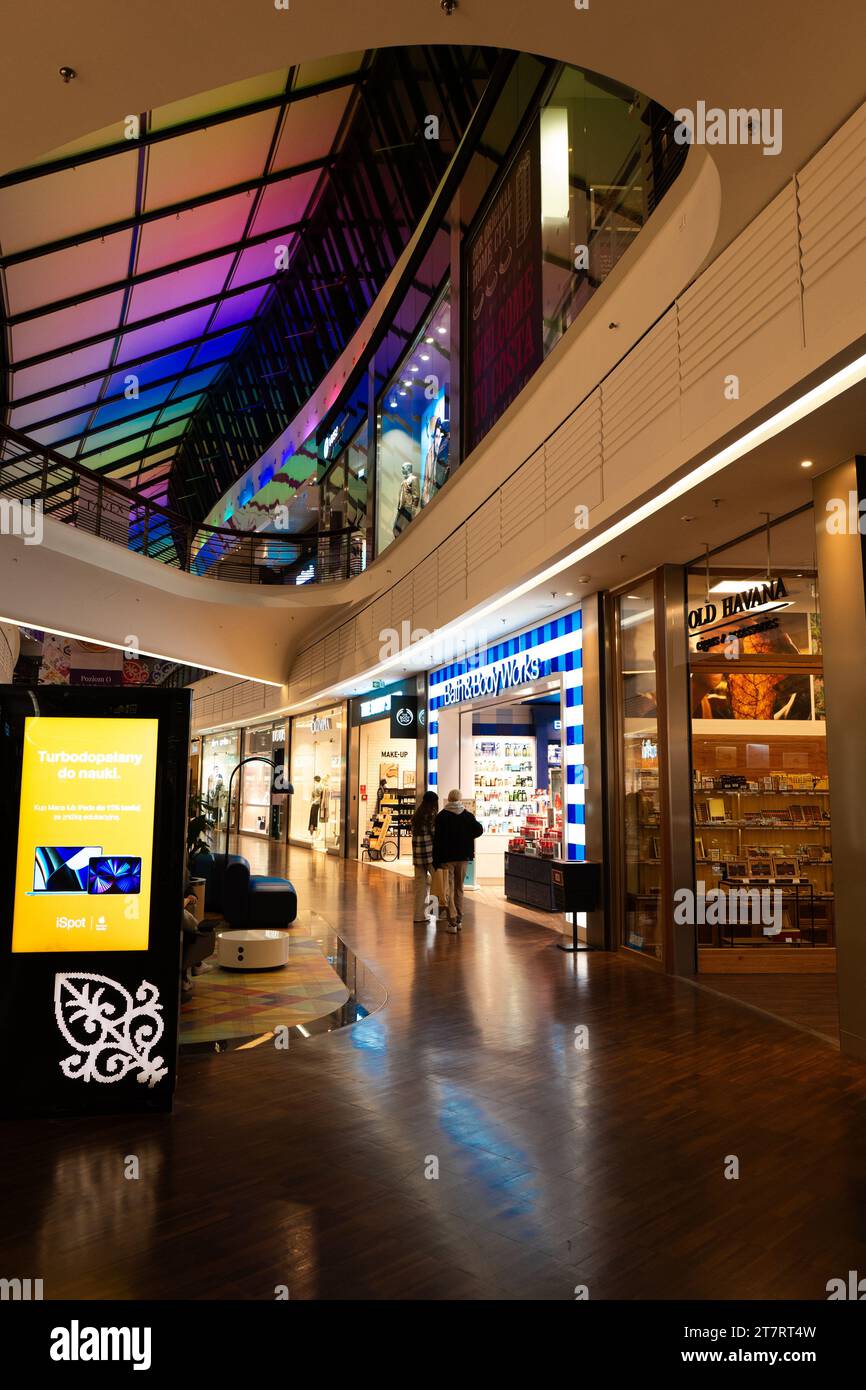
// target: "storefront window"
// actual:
[[387, 791], [593, 191], [759, 748], [256, 782], [220, 756], [317, 775], [506, 726], [343, 502], [569, 204], [413, 429], [642, 926], [344, 489]]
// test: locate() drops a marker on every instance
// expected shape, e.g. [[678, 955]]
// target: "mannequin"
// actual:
[[408, 500], [436, 463], [315, 805]]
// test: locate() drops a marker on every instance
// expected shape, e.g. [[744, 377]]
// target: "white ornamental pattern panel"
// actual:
[[111, 1033]]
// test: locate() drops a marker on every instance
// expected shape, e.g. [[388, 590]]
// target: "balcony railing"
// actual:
[[67, 492]]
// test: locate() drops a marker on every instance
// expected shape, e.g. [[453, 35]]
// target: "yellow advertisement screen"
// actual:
[[85, 835]]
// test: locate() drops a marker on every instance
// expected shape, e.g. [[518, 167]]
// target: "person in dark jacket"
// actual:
[[453, 847], [423, 823]]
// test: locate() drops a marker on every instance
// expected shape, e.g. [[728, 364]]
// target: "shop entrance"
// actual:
[[507, 759], [387, 795], [516, 781], [317, 776]]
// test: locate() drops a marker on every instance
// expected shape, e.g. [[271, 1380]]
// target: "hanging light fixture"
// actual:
[[555, 190]]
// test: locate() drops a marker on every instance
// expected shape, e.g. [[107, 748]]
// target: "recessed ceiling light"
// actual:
[[569, 593], [429, 340], [401, 393], [807, 463], [413, 368], [440, 330]]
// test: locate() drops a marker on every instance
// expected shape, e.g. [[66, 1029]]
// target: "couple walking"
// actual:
[[443, 841]]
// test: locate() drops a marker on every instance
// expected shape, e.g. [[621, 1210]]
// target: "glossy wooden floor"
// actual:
[[557, 1167], [809, 1001]]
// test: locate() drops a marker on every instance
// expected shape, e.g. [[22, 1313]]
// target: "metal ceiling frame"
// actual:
[[174, 132], [188, 345], [371, 186], [252, 214], [142, 219], [143, 277], [110, 400], [134, 325], [361, 211]]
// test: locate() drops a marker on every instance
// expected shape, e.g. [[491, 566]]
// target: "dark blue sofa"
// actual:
[[245, 899]]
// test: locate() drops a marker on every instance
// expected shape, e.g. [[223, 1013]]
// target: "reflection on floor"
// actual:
[[493, 895], [807, 1001], [558, 1165], [393, 866]]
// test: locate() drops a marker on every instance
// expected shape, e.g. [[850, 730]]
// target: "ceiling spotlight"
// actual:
[[67, 73], [806, 463], [429, 340], [448, 6]]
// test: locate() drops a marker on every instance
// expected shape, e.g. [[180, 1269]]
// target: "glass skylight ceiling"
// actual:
[[130, 277]]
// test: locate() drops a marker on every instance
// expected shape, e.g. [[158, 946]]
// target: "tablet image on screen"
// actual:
[[63, 868], [114, 874]]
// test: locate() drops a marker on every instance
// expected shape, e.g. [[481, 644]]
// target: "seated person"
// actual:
[[197, 945]]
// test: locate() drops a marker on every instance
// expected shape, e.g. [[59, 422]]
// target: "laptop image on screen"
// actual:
[[63, 868]]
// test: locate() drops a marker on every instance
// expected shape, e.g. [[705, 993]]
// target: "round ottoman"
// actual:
[[252, 950]]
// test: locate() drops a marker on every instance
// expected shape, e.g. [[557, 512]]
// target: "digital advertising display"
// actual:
[[85, 836], [93, 822]]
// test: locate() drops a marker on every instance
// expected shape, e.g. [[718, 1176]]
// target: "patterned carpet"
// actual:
[[233, 1004]]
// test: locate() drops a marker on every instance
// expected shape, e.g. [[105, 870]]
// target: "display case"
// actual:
[[505, 777], [762, 817], [761, 792], [397, 809]]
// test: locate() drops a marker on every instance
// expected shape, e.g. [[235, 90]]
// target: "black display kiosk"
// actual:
[[554, 885], [91, 890]]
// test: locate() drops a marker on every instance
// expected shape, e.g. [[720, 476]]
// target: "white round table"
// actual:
[[252, 950]]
